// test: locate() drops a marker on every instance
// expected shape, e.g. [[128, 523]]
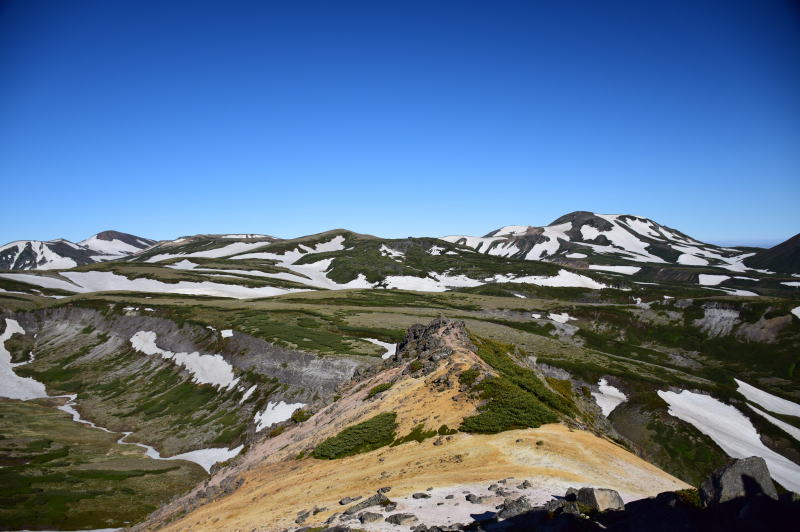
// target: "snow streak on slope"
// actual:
[[627, 270], [205, 369], [12, 385], [732, 431], [390, 348], [94, 281], [792, 431], [773, 403], [564, 278], [224, 251]]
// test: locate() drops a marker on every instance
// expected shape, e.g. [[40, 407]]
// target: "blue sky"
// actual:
[[397, 118]]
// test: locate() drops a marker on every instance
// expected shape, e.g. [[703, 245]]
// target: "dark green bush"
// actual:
[[361, 438], [375, 390]]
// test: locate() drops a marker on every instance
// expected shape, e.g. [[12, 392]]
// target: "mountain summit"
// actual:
[[62, 254]]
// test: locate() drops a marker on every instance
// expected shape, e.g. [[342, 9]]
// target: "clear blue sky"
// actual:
[[397, 118]]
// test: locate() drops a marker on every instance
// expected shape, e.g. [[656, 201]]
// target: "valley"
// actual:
[[605, 351]]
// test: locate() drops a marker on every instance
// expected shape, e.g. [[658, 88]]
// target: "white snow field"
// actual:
[[560, 318], [275, 413], [83, 282], [796, 312], [554, 233], [711, 280], [110, 248], [792, 431], [205, 457], [732, 431], [215, 253], [564, 278], [12, 385], [390, 348], [576, 255], [627, 270], [773, 403], [608, 397], [226, 333], [205, 369], [692, 260], [792, 283]]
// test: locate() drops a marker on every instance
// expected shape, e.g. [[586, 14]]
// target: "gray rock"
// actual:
[[451, 496], [474, 499], [402, 519], [390, 507], [421, 495], [348, 500], [375, 500], [514, 507], [302, 516], [369, 517], [746, 477], [525, 485], [600, 499], [385, 489]]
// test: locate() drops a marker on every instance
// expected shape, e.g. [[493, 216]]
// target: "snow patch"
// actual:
[[731, 430], [576, 255], [711, 280], [773, 403], [692, 260], [246, 395], [205, 369], [608, 397], [627, 270], [560, 318], [12, 385], [792, 431], [390, 348], [564, 278], [226, 333], [275, 413]]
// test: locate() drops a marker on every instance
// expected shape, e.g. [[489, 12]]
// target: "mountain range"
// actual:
[[244, 381]]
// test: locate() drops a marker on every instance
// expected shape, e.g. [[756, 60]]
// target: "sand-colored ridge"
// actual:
[[552, 457], [277, 485]]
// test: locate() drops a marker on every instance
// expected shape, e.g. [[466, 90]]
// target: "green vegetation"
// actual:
[[361, 438], [300, 415], [62, 475], [375, 390], [515, 399], [468, 376], [415, 365], [417, 434]]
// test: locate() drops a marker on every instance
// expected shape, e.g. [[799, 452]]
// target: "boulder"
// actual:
[[421, 495], [746, 477], [474, 499], [348, 500], [514, 507], [369, 517], [600, 499], [402, 519], [378, 498]]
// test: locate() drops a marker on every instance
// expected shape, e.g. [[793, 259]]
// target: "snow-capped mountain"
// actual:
[[114, 244], [584, 235], [62, 254]]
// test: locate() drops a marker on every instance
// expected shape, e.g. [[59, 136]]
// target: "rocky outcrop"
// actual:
[[748, 477], [600, 499], [431, 343]]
